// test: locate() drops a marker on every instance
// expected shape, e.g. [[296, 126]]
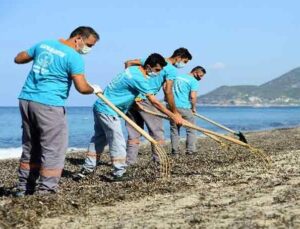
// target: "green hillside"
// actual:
[[284, 90]]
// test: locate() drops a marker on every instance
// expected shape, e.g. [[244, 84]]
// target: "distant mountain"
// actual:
[[284, 90]]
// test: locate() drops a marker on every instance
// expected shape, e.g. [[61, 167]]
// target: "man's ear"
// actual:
[[76, 41], [78, 38]]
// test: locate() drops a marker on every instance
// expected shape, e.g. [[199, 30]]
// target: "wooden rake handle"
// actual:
[[133, 124], [209, 133], [215, 123], [188, 124], [166, 117]]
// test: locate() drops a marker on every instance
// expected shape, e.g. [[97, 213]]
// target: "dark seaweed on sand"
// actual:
[[210, 164]]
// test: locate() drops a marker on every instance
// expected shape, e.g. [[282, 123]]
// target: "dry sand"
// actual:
[[216, 188]]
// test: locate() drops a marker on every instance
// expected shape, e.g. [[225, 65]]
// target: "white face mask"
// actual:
[[85, 50], [152, 74], [179, 64]]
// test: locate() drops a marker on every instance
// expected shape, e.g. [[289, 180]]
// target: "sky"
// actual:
[[239, 42]]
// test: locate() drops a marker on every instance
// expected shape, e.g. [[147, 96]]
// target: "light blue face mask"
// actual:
[[180, 64]]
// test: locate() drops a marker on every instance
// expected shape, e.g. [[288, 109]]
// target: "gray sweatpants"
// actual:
[[154, 125], [187, 114], [108, 131], [44, 143]]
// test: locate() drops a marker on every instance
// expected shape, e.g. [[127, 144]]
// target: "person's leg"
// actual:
[[175, 138], [96, 146], [116, 141], [52, 124], [187, 114], [133, 140], [154, 125], [28, 171]]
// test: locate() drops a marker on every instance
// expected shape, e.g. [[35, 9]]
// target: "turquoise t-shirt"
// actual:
[[123, 90], [169, 72], [49, 79], [182, 87]]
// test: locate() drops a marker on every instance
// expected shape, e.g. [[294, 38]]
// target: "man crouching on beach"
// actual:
[[122, 92], [56, 64]]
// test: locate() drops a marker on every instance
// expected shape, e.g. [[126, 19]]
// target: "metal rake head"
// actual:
[[241, 137]]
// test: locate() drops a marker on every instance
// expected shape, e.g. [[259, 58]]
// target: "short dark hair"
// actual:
[[182, 52], [85, 32], [199, 68], [155, 59]]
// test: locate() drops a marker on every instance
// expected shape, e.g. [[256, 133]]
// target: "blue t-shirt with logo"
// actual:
[[169, 72], [182, 87], [49, 79], [123, 90]]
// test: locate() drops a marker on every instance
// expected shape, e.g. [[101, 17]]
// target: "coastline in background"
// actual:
[[80, 120]]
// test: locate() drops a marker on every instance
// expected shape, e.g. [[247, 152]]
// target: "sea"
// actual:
[[80, 124]]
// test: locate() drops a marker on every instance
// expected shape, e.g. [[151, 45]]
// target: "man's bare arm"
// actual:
[[193, 97], [167, 87], [155, 102], [82, 85], [23, 58], [135, 62]]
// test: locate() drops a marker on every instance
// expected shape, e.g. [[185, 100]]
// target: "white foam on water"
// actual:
[[10, 153], [74, 150]]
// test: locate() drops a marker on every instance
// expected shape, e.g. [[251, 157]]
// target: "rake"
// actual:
[[216, 136], [164, 162], [239, 134]]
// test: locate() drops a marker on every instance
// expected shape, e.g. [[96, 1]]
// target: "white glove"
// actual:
[[96, 88]]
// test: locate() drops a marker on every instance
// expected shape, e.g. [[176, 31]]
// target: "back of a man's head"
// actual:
[[183, 53], [155, 59], [198, 68], [85, 32]]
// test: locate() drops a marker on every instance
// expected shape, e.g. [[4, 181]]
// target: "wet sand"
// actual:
[[215, 188]]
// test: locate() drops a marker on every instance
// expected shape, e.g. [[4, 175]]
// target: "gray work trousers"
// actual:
[[108, 131], [44, 144], [187, 114], [154, 125]]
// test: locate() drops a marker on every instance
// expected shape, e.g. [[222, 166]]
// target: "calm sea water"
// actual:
[[80, 121]]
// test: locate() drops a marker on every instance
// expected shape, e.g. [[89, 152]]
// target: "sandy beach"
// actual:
[[215, 188]]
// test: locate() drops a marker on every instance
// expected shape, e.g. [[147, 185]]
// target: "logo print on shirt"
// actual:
[[43, 61]]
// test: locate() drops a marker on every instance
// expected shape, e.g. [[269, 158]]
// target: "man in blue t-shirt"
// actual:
[[56, 64], [185, 95], [122, 92], [154, 124]]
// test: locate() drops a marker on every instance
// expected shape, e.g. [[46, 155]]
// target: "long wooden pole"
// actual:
[[216, 136], [203, 130], [166, 117], [239, 134], [215, 123], [164, 160], [190, 125], [132, 123]]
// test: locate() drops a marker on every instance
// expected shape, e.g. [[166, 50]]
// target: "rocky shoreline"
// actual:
[[215, 188]]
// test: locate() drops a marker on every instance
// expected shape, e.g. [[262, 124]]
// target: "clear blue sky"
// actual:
[[237, 41]]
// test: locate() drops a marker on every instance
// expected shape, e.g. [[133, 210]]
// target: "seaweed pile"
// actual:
[[211, 164]]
